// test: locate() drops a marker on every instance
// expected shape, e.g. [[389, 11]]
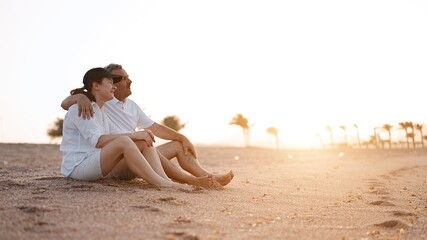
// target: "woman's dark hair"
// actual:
[[96, 75], [86, 90], [83, 90]]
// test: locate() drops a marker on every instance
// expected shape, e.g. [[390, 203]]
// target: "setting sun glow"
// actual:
[[298, 66]]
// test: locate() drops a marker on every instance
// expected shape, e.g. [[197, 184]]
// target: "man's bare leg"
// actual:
[[189, 163]]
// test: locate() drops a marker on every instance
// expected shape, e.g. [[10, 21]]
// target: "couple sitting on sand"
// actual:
[[100, 138]]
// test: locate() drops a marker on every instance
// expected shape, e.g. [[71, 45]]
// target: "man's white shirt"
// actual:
[[126, 116]]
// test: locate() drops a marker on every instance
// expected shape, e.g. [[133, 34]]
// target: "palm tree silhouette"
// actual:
[[173, 122], [419, 127], [388, 128], [275, 132], [358, 135], [412, 133], [344, 128], [243, 122], [404, 126], [373, 140], [330, 130], [377, 137]]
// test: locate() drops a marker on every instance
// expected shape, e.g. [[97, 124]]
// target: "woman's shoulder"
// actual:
[[73, 108]]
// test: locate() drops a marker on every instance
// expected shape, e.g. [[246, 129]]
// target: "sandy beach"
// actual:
[[286, 194]]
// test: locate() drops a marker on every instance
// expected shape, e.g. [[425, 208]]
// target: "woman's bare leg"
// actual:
[[189, 163], [178, 175], [172, 171], [124, 148], [150, 153], [119, 169]]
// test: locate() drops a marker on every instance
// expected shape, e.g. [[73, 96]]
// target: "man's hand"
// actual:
[[85, 107], [188, 147], [146, 136]]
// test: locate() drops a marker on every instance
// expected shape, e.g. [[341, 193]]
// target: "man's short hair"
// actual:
[[113, 66]]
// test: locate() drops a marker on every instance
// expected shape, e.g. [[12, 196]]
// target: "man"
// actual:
[[128, 116]]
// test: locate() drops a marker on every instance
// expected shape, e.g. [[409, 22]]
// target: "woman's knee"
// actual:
[[123, 141], [142, 145]]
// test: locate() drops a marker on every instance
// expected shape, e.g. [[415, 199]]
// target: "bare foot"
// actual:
[[205, 181], [224, 179], [216, 185]]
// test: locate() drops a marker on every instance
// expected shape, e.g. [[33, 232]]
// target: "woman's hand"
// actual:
[[146, 136]]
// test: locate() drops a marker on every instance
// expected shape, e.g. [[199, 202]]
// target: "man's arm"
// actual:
[[167, 133], [85, 105]]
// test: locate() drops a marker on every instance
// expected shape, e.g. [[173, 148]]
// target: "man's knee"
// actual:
[[171, 149], [177, 146]]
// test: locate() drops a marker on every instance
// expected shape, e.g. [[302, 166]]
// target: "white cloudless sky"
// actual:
[[294, 65]]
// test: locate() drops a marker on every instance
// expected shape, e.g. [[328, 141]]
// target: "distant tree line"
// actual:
[[413, 133], [376, 141]]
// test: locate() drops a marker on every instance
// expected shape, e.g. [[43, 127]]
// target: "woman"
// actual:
[[90, 148]]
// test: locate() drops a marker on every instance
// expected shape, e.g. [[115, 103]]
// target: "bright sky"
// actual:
[[294, 65]]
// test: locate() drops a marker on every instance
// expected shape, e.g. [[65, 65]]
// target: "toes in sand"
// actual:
[[205, 181], [224, 179], [208, 182]]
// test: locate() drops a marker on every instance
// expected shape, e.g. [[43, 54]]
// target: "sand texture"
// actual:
[[311, 194]]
